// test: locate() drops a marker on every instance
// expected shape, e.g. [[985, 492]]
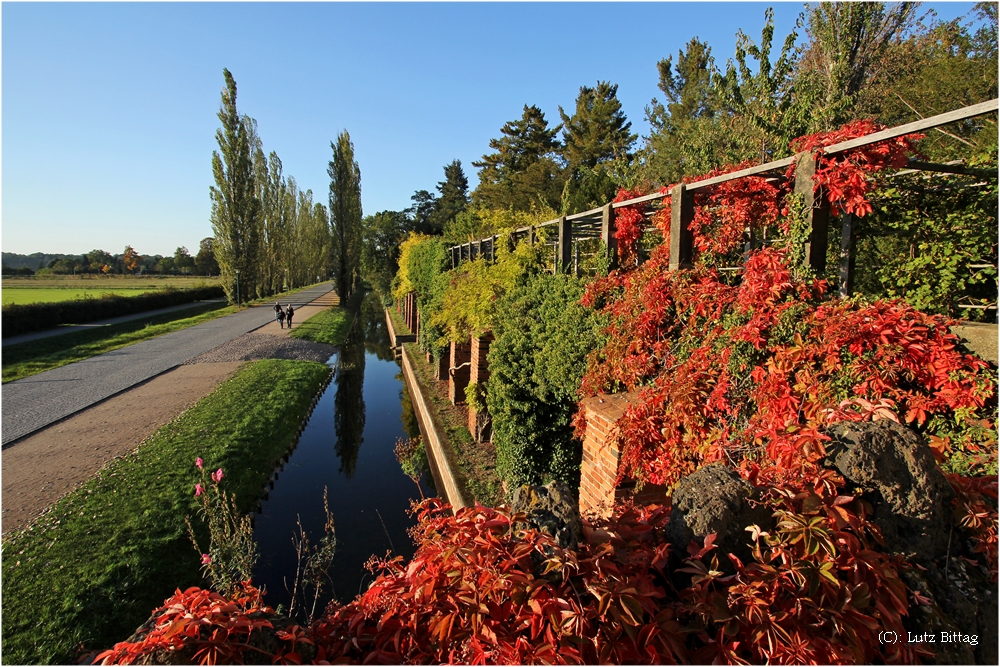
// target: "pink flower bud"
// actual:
[[198, 462], [206, 559], [217, 476], [197, 490]]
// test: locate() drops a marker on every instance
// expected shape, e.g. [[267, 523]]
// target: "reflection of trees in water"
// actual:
[[410, 425], [376, 333], [349, 403]]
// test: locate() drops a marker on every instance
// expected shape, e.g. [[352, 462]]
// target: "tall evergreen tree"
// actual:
[[524, 172], [235, 206], [683, 139], [454, 197], [598, 130], [422, 212], [345, 215], [596, 134]]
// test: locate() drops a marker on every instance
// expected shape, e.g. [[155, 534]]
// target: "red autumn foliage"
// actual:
[[480, 590], [628, 228], [844, 177]]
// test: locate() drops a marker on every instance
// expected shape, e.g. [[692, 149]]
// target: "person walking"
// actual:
[[279, 314], [288, 315]]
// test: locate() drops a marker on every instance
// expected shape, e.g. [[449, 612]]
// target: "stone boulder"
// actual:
[[550, 509], [890, 466], [715, 499]]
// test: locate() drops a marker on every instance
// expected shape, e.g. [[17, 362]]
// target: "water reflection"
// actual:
[[349, 404], [347, 446]]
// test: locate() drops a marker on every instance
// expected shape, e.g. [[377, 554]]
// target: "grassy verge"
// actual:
[[91, 570], [330, 327], [398, 323], [474, 463], [25, 359]]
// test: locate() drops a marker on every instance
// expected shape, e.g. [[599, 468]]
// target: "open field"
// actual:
[[49, 289]]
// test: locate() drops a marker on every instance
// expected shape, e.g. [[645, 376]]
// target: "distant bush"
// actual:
[[25, 318]]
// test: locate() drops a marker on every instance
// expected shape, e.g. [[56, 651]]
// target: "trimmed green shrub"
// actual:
[[543, 336]]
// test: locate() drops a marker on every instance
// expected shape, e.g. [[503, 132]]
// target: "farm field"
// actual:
[[50, 289]]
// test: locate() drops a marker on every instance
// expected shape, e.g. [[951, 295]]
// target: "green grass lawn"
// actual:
[[25, 359], [53, 295], [92, 570], [49, 289], [330, 327]]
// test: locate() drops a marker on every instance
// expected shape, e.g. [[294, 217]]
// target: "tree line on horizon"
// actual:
[[269, 235], [128, 262], [890, 62]]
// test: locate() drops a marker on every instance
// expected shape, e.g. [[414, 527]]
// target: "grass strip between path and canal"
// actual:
[[33, 357], [330, 327], [88, 572]]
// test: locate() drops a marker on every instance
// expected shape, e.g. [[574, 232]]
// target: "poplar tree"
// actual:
[[345, 215], [235, 206]]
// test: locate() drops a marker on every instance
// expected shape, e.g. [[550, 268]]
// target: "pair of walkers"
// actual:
[[283, 315]]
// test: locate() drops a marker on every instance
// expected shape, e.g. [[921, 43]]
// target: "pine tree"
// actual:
[[454, 197], [524, 172], [684, 139], [345, 215], [235, 205], [598, 130], [422, 212], [596, 134]]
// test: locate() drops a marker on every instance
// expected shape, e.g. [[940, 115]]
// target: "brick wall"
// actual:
[[599, 468], [479, 372], [458, 378]]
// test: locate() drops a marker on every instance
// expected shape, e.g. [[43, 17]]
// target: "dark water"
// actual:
[[347, 447]]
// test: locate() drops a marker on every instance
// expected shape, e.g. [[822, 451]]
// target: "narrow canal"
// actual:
[[347, 447]]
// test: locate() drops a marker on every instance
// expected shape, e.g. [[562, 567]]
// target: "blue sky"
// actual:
[[109, 109]]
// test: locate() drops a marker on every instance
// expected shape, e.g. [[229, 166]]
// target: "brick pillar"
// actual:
[[479, 372], [458, 378], [416, 318], [599, 467], [411, 308], [406, 310]]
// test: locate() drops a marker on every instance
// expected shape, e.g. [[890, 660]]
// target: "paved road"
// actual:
[[37, 401]]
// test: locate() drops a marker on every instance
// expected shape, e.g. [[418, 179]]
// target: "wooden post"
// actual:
[[564, 248], [681, 237], [493, 249], [817, 212], [846, 255], [608, 233], [576, 259], [454, 261], [531, 235]]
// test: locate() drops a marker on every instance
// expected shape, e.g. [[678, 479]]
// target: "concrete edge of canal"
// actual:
[[432, 438]]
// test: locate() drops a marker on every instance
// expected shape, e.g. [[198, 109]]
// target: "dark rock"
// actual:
[[715, 499], [551, 509], [895, 470]]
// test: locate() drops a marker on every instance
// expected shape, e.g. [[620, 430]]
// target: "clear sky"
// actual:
[[109, 109]]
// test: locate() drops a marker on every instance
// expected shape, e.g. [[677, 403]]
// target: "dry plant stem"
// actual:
[[385, 530]]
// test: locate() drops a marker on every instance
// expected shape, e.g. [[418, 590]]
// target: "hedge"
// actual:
[[25, 318]]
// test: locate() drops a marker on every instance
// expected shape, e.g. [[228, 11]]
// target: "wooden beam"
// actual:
[[681, 237], [817, 212], [917, 165], [608, 233], [564, 247]]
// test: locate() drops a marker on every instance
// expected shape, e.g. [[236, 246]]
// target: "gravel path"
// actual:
[[37, 401], [253, 346]]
